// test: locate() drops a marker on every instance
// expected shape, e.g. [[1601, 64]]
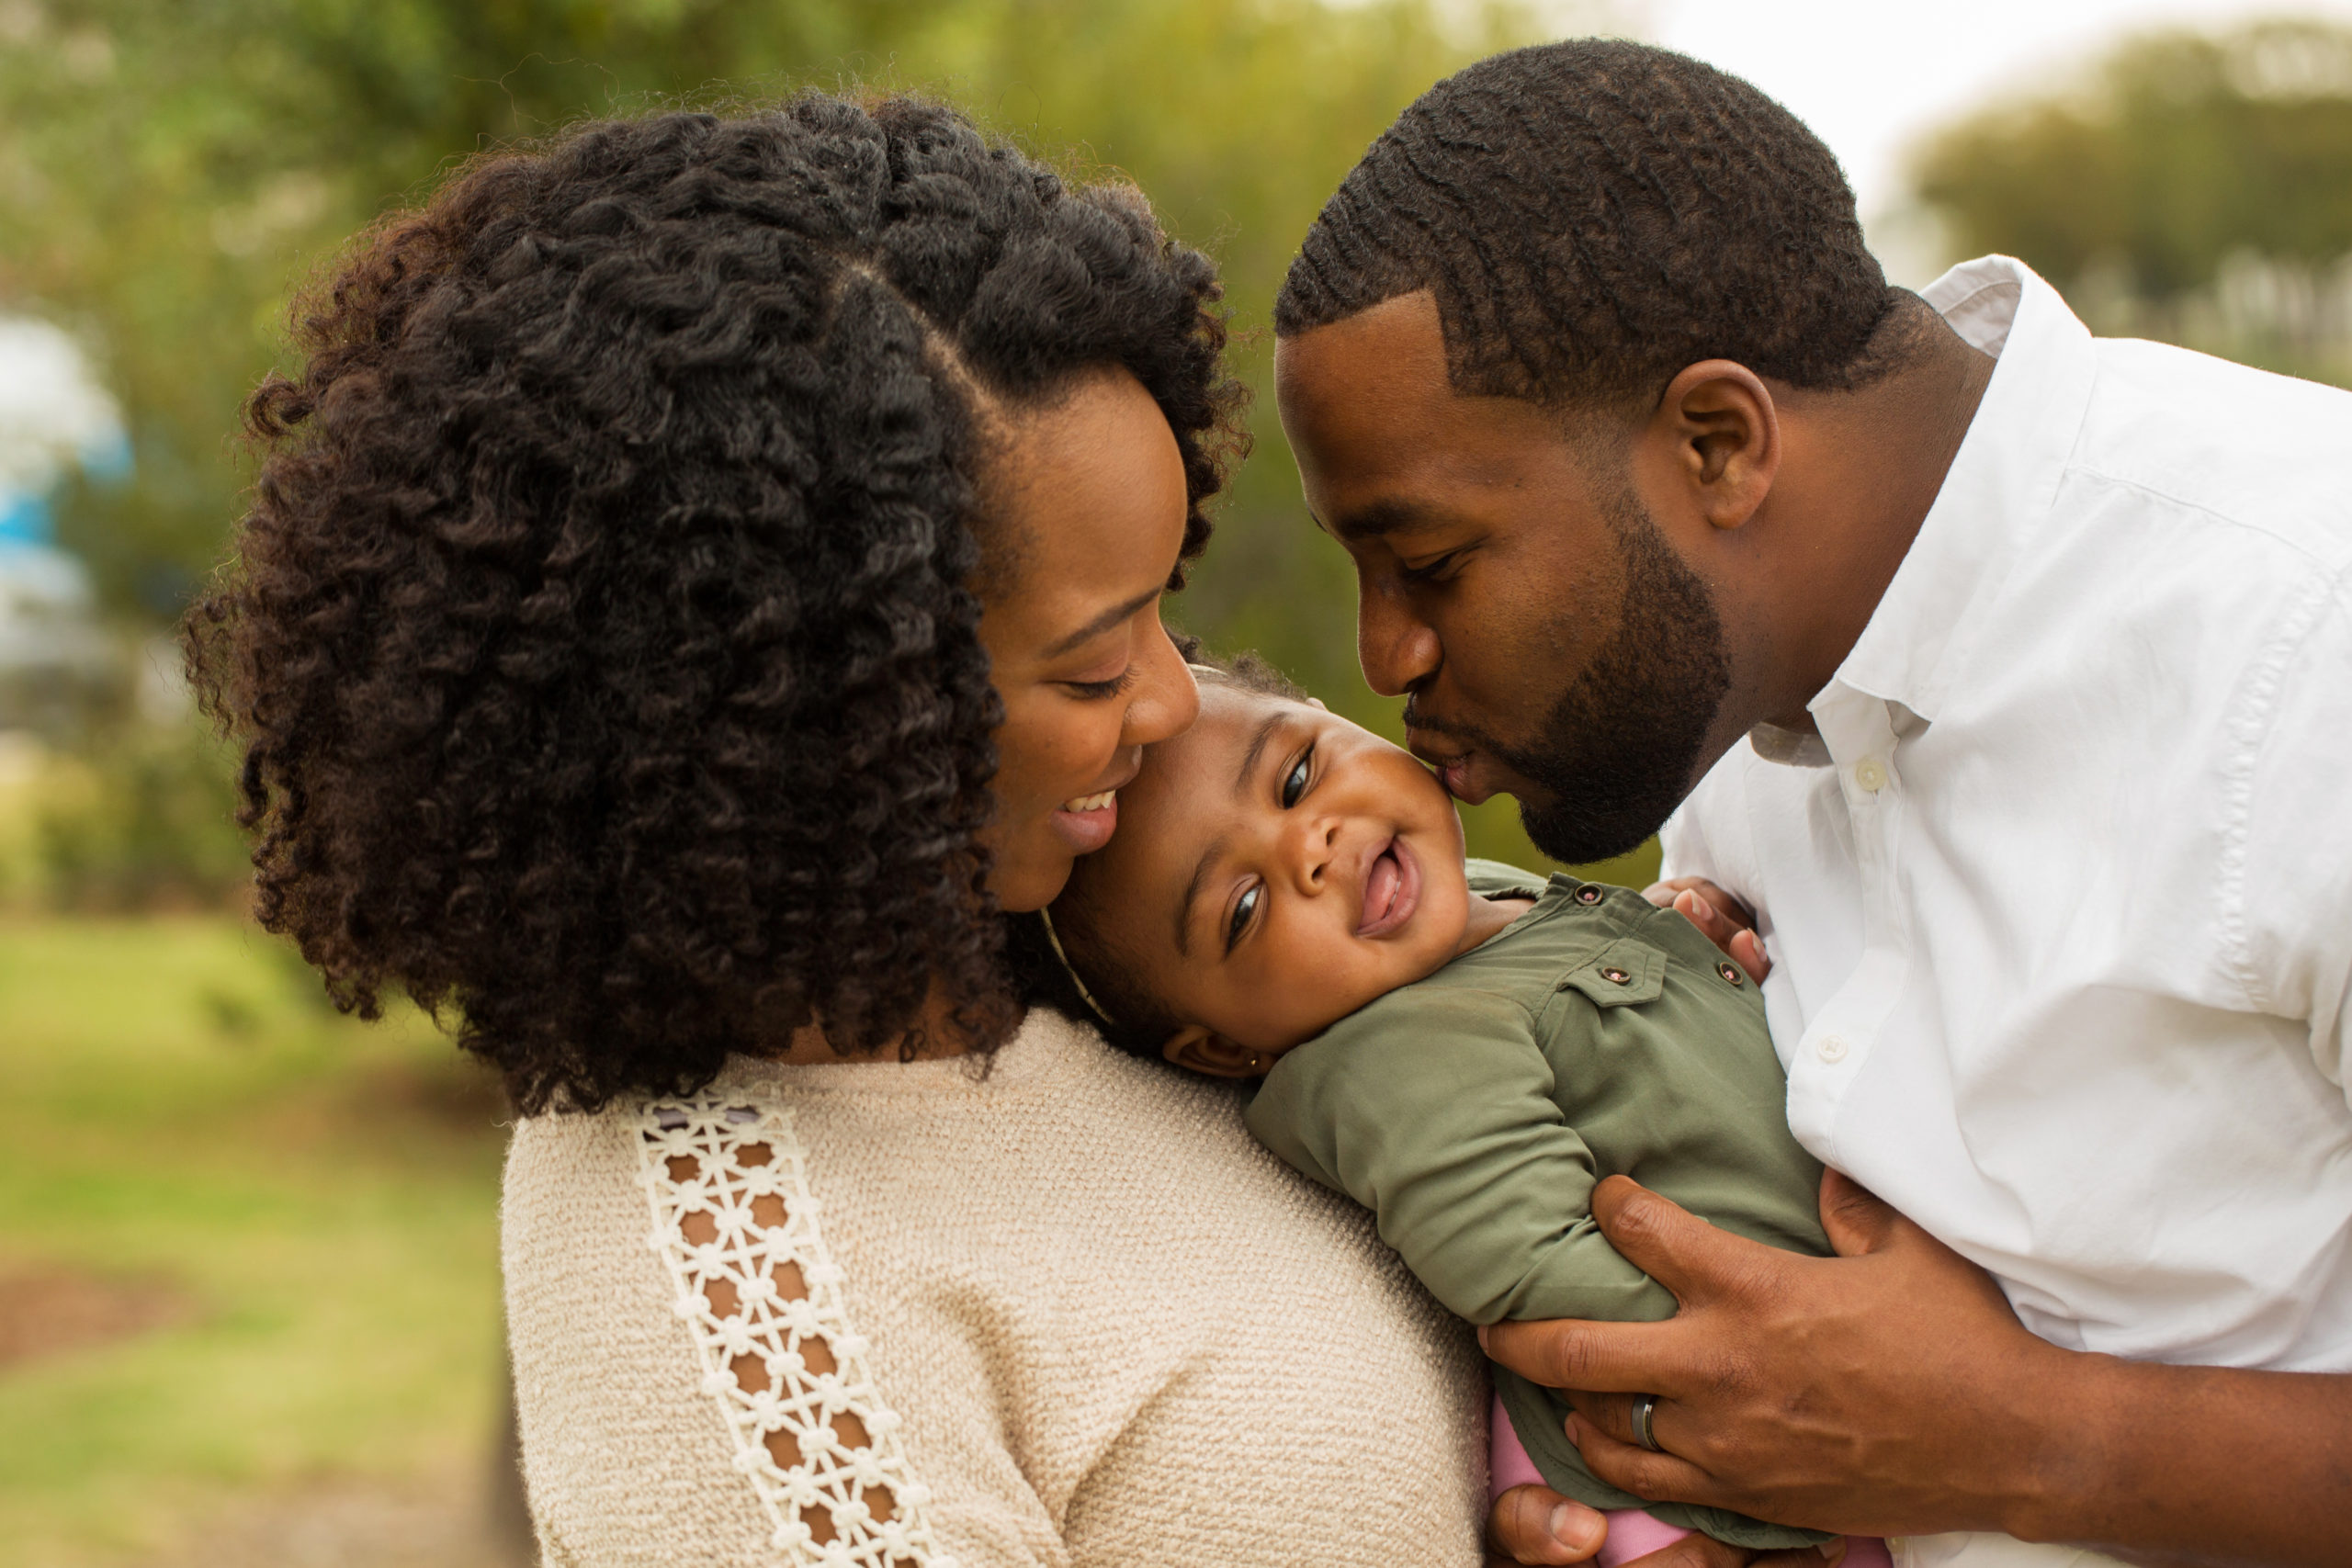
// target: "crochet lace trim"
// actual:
[[735, 1222]]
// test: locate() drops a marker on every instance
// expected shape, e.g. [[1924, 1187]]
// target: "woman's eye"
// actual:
[[1095, 691], [1294, 781], [1245, 910]]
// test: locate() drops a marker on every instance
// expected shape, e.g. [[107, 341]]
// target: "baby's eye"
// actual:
[[1294, 781], [1245, 910]]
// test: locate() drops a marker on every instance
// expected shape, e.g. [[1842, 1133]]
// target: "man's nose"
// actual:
[[1398, 648]]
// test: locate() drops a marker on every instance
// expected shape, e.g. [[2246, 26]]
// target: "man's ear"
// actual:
[[1203, 1049], [1720, 422]]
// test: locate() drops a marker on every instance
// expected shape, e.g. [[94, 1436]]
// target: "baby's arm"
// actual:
[[1433, 1109]]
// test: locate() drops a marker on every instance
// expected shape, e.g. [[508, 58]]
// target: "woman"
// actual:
[[704, 571]]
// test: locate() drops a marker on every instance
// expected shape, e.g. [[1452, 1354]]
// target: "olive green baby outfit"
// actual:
[[1475, 1111]]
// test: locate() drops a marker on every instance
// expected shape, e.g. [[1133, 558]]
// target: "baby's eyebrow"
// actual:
[[1257, 749], [1191, 891]]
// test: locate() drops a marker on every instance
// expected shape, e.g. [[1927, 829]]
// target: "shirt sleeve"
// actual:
[[1435, 1112], [2294, 893]]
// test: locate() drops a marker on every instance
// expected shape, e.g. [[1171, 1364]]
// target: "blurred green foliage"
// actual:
[[172, 170], [300, 1209], [143, 820], [2192, 188]]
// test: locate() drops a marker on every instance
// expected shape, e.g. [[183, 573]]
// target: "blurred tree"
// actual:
[[170, 169], [2192, 188]]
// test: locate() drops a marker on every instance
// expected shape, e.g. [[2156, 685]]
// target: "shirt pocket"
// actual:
[[1626, 972]]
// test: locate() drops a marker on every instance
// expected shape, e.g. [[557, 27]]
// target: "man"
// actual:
[[2013, 670]]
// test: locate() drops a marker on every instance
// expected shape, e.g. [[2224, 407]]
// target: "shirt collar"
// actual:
[[2001, 483]]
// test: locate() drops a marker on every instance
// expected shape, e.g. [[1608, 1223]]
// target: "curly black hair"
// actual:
[[603, 636], [1595, 215]]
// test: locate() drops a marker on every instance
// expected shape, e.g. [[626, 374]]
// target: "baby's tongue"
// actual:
[[1379, 889]]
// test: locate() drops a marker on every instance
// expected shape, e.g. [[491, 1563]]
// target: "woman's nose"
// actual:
[[1165, 701]]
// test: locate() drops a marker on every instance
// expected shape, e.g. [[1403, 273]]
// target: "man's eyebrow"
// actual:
[[1191, 891], [1376, 518], [1256, 750], [1105, 621]]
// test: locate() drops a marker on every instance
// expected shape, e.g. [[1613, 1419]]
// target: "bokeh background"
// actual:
[[248, 1297]]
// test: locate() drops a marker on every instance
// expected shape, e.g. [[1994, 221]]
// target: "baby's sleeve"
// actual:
[[1433, 1109]]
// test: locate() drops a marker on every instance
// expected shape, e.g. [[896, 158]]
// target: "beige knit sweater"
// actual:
[[873, 1313]]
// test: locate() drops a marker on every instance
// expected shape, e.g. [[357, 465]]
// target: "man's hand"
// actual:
[[1537, 1524], [1721, 919], [1889, 1390]]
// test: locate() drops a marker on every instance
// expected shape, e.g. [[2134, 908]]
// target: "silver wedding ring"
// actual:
[[1644, 1408]]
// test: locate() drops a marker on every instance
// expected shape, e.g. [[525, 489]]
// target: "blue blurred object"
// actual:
[[26, 519]]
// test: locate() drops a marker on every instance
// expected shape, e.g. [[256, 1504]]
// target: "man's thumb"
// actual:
[[1857, 1219]]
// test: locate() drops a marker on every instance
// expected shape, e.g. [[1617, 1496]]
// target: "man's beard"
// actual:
[[1617, 754]]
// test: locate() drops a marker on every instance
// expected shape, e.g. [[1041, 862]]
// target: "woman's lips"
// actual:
[[1392, 889], [1087, 823]]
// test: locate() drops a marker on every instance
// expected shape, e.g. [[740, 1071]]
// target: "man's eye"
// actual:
[[1428, 571], [1294, 781], [1245, 910]]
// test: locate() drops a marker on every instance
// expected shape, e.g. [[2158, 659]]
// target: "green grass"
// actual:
[[176, 1104]]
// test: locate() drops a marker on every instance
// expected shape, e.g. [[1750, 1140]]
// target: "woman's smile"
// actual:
[[1087, 823]]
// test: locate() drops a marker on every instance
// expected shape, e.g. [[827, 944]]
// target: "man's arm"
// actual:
[[1889, 1391]]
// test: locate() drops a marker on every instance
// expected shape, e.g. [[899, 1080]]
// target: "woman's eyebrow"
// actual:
[[1105, 621]]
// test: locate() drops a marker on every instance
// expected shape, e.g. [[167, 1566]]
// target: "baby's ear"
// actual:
[[1316, 703], [1203, 1049]]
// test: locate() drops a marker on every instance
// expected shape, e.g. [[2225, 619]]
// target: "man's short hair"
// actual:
[[1595, 215]]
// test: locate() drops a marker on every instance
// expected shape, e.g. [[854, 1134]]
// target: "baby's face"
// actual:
[[1277, 867]]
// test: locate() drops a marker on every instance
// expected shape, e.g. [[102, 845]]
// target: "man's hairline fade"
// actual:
[[1360, 254]]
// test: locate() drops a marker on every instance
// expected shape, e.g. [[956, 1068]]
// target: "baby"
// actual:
[[1463, 1048]]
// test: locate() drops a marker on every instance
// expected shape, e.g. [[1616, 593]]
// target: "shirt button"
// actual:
[[1729, 971], [1830, 1048], [1589, 895], [1869, 775], [1615, 976]]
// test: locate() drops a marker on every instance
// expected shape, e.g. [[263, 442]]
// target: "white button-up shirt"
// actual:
[[2060, 902]]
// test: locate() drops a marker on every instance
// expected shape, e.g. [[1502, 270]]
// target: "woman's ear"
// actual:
[[1203, 1049], [1720, 420]]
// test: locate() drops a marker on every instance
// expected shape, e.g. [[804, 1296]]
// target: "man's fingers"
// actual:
[[1702, 1551], [1661, 1477], [1713, 924], [1748, 951], [1826, 1555], [1614, 1357], [1536, 1523], [1857, 1219], [1665, 1241]]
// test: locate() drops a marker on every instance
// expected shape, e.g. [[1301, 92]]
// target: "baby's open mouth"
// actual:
[[1392, 889]]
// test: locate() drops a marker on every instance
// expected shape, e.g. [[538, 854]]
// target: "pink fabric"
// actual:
[[1631, 1533]]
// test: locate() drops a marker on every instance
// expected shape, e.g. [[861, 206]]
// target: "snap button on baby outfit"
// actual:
[[1589, 895], [1870, 773], [1729, 971], [1615, 976], [1830, 1048]]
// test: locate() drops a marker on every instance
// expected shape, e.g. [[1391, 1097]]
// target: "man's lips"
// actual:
[[1392, 889], [1456, 768]]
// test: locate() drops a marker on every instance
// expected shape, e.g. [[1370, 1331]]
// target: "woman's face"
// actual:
[[1089, 497]]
